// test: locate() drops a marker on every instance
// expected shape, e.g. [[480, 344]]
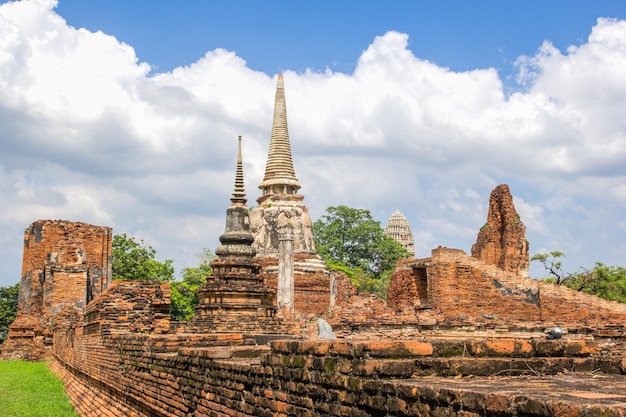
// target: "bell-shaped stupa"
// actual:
[[280, 209], [282, 227]]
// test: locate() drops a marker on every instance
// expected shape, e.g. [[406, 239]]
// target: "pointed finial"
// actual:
[[239, 195], [280, 177], [236, 242]]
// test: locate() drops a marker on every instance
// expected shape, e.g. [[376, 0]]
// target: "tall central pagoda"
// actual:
[[280, 206], [282, 227]]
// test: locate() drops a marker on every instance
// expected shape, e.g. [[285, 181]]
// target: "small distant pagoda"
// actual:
[[235, 298], [398, 229]]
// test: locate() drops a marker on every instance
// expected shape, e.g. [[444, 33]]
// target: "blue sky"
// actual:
[[126, 114], [274, 36]]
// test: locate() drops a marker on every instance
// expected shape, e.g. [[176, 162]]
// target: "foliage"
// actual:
[[185, 293], [553, 265], [29, 389], [134, 260], [605, 281], [8, 308], [350, 240]]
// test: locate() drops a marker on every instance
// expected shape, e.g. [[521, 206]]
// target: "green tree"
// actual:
[[8, 308], [350, 240], [134, 260], [552, 263], [605, 281], [185, 293], [608, 282]]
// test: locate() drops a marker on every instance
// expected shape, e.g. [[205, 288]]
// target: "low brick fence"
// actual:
[[216, 375]]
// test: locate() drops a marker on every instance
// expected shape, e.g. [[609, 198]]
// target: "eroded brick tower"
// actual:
[[502, 240]]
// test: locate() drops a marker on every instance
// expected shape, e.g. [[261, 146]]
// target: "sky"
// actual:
[[126, 114]]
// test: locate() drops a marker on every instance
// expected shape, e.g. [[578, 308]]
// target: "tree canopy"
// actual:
[[134, 260], [605, 281], [8, 308], [185, 293], [350, 240]]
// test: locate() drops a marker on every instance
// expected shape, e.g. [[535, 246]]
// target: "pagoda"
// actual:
[[235, 299], [282, 227], [398, 229]]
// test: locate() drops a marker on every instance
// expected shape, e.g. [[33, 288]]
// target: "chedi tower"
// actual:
[[235, 299], [282, 227], [280, 206]]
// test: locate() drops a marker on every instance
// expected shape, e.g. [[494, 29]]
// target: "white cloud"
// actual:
[[89, 135], [531, 215]]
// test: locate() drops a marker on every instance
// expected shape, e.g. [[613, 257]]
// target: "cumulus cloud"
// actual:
[[89, 134]]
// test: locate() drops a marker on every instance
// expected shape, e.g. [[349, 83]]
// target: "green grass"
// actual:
[[30, 389]]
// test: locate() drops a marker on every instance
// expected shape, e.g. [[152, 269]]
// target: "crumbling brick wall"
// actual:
[[65, 265], [466, 291], [130, 306], [118, 363], [409, 287], [143, 375]]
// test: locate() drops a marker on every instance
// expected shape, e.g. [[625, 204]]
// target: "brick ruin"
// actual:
[[502, 240], [458, 336], [65, 266]]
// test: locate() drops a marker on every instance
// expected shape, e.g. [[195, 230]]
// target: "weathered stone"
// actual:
[[325, 331]]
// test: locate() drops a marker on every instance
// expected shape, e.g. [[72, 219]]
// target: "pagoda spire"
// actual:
[[280, 177], [239, 194], [236, 242]]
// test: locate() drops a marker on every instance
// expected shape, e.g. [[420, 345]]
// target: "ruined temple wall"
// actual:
[[405, 291], [65, 264], [71, 251], [466, 291], [118, 364], [562, 305], [130, 306]]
